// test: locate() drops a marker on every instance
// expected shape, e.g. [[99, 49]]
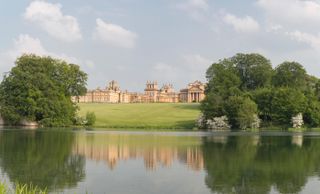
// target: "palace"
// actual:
[[152, 93]]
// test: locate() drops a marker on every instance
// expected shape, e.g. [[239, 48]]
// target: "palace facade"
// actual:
[[152, 93]]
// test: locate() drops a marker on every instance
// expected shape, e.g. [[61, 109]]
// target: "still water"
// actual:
[[182, 163]]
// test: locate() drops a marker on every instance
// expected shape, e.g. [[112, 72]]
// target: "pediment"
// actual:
[[195, 88]]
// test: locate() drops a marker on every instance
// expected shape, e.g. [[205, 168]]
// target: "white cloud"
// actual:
[[297, 19], [312, 40], [274, 28], [245, 24], [292, 12], [195, 8], [196, 61], [25, 44], [192, 5], [114, 35], [51, 19]]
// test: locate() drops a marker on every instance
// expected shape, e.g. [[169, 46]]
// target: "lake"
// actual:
[[163, 162]]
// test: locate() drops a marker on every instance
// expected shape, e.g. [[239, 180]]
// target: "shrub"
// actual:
[[297, 121], [218, 123], [90, 118]]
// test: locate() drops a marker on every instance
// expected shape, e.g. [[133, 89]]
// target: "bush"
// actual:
[[241, 112], [90, 118], [218, 123]]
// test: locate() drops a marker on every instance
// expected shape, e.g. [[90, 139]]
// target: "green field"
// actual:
[[143, 116]]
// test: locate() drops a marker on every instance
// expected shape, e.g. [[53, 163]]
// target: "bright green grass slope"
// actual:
[[146, 116]]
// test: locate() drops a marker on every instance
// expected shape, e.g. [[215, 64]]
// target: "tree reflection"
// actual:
[[41, 158], [243, 165]]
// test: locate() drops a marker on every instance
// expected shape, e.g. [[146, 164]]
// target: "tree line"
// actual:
[[245, 88]]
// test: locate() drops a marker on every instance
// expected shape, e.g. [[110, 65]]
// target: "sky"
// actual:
[[171, 41]]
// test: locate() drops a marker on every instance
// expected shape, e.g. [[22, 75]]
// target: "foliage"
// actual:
[[247, 114], [40, 89], [212, 106], [297, 121], [290, 74], [21, 189], [286, 102], [263, 98], [223, 79], [218, 123], [90, 118], [254, 70], [28, 189], [312, 113], [240, 111], [278, 94]]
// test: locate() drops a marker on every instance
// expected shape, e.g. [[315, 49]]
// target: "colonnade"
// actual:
[[195, 97]]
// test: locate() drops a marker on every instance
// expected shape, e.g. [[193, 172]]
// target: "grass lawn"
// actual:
[[145, 116]]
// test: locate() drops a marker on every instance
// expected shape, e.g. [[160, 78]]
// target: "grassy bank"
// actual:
[[21, 189], [143, 116]]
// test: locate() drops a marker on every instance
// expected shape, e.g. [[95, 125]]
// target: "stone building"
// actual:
[[166, 94], [193, 93], [111, 94]]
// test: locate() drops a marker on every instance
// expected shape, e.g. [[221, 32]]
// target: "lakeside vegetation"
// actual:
[[244, 91], [21, 189], [39, 89], [143, 116]]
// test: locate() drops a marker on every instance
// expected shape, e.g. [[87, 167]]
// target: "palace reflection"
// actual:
[[158, 151]]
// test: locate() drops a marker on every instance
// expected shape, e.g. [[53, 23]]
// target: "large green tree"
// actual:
[[40, 89], [255, 71], [223, 79], [290, 74]]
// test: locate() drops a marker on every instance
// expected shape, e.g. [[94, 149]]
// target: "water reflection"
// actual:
[[41, 158], [258, 164], [223, 163], [154, 150]]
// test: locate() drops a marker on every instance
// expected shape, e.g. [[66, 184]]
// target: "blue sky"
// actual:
[[172, 41]]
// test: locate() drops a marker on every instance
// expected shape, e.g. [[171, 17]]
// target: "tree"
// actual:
[[317, 90], [247, 114], [278, 94], [40, 89], [290, 74], [223, 79], [286, 103], [255, 71], [240, 111], [212, 106], [263, 98], [312, 113]]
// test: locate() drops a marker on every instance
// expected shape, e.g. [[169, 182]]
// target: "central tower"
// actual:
[[152, 91]]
